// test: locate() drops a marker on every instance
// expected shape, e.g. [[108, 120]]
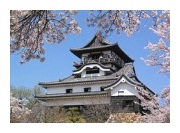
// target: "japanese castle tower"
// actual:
[[104, 75]]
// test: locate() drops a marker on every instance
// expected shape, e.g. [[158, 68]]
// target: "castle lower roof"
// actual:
[[72, 95], [73, 80]]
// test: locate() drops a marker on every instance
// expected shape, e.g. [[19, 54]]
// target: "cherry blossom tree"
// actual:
[[116, 20], [160, 56], [18, 111], [29, 29], [24, 107]]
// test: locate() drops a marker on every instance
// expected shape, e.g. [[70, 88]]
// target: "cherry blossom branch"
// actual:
[[30, 29]]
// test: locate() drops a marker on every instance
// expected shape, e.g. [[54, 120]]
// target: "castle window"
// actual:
[[87, 89], [69, 90], [120, 92], [92, 71]]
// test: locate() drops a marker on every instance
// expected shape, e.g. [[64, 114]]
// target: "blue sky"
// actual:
[[59, 60]]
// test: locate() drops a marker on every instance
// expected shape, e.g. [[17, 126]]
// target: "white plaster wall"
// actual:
[[101, 72], [128, 90], [79, 101], [83, 74], [77, 88]]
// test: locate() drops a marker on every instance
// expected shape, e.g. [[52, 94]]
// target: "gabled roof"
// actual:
[[119, 79], [134, 82]]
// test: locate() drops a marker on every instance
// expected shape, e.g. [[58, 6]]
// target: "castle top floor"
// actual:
[[101, 51]]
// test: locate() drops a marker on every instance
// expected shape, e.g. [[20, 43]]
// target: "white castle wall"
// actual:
[[76, 88], [126, 88]]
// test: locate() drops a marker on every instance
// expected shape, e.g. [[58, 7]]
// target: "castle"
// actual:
[[104, 75]]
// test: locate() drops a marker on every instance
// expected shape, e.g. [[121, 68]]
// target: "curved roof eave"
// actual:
[[79, 51], [90, 64], [57, 84]]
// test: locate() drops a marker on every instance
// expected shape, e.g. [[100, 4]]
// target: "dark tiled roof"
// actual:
[[79, 51], [102, 45], [74, 81], [73, 95], [95, 41], [114, 47]]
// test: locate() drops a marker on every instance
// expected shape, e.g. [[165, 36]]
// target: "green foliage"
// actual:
[[74, 115], [21, 92]]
